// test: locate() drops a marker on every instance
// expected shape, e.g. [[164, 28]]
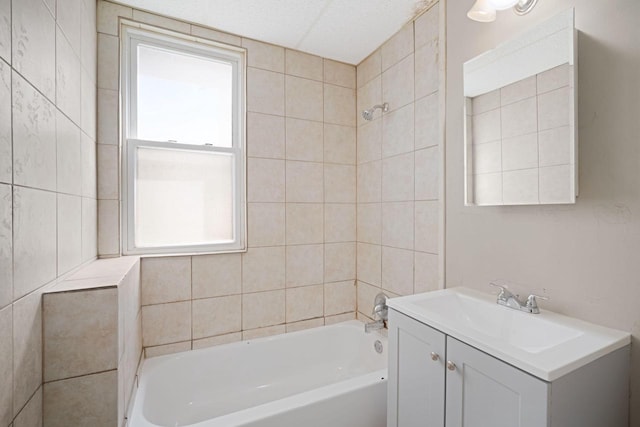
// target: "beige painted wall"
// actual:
[[585, 257]]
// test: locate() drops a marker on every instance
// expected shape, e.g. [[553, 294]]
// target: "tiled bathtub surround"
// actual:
[[47, 178], [398, 161], [300, 268], [521, 140]]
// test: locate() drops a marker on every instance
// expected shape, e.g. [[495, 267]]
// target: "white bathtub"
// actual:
[[328, 376]]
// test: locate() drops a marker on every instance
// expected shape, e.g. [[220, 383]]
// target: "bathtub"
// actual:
[[327, 376]]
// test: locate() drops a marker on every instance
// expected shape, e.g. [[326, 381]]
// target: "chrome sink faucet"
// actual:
[[506, 298], [380, 314]]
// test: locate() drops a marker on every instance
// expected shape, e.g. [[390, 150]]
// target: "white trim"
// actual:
[[132, 36]]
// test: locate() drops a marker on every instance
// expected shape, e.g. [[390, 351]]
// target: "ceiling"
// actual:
[[344, 30]]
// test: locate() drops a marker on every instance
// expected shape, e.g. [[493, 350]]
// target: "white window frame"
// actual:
[[132, 36]]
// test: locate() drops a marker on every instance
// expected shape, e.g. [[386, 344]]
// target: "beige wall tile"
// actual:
[[339, 222], [398, 84], [6, 159], [304, 140], [304, 325], [555, 146], [370, 68], [398, 178], [5, 31], [108, 117], [554, 78], [370, 141], [304, 223], [305, 303], [31, 414], [305, 264], [216, 275], [69, 239], [338, 318], [303, 65], [219, 340], [339, 297], [268, 331], [555, 108], [27, 349], [426, 217], [266, 224], [520, 118], [369, 182], [366, 97], [108, 14], [518, 91], [217, 316], [265, 92], [89, 229], [88, 38], [263, 55], [34, 236], [34, 137], [166, 323], [397, 47], [486, 127], [263, 269], [165, 279], [80, 333], [426, 27], [265, 180], [369, 263], [33, 36], [304, 98], [339, 144], [161, 21], [108, 227], [108, 62], [427, 128], [161, 350], [218, 36], [397, 270], [265, 136], [485, 102], [339, 105], [89, 167], [398, 131], [365, 297], [6, 365], [397, 224], [340, 261], [108, 172], [6, 246], [369, 223], [68, 156], [427, 173], [89, 400], [88, 104], [426, 272], [338, 73], [427, 69], [262, 309], [304, 182], [68, 74], [339, 183]]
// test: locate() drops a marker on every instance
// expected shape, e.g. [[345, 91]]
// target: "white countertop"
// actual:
[[547, 345]]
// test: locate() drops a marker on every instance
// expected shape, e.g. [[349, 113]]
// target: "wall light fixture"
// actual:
[[485, 10]]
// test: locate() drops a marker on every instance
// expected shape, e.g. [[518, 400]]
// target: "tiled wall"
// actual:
[[521, 141], [398, 160], [47, 178], [299, 270]]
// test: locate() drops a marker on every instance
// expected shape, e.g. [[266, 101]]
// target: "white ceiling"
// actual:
[[344, 30]]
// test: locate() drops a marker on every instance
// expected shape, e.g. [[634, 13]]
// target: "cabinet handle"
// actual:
[[451, 366], [434, 356]]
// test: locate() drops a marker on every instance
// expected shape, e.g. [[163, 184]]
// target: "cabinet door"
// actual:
[[415, 389], [483, 391]]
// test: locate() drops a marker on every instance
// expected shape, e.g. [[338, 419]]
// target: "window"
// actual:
[[183, 154]]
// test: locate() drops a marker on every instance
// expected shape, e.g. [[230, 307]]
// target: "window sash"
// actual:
[[132, 38]]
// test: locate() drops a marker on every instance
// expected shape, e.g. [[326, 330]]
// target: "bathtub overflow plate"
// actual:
[[378, 346]]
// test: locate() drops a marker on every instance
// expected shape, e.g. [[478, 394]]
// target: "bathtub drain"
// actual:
[[378, 346]]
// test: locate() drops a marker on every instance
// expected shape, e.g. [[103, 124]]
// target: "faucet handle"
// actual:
[[504, 291], [532, 303]]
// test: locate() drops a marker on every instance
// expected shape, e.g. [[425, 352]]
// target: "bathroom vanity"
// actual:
[[458, 359]]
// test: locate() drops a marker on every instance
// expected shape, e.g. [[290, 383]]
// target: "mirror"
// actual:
[[520, 119]]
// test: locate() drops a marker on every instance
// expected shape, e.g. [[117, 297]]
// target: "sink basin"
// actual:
[[547, 345]]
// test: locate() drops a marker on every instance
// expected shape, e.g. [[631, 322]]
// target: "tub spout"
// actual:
[[374, 326]]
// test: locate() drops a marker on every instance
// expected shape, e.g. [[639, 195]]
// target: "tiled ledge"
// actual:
[[92, 343]]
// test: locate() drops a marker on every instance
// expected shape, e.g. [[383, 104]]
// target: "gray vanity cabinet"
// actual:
[[436, 380]]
